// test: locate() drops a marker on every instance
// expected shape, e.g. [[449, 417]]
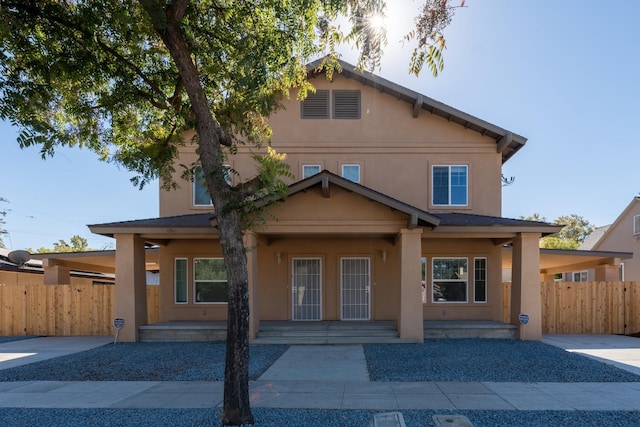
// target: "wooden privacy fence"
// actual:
[[586, 307], [65, 310], [62, 310]]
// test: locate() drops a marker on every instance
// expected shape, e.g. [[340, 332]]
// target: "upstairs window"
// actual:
[[449, 185], [200, 191], [346, 104], [351, 172], [310, 170], [636, 225], [315, 105]]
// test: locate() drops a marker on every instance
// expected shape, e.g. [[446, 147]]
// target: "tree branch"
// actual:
[[36, 12]]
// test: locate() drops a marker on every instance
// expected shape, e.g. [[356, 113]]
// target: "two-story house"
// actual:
[[394, 214], [622, 234]]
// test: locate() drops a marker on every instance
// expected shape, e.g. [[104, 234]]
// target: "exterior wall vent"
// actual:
[[315, 105], [346, 104]]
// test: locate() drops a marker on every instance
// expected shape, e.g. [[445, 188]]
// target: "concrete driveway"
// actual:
[[618, 350], [22, 352]]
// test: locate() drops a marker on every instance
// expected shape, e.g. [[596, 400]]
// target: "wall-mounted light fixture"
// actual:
[[278, 257], [384, 256]]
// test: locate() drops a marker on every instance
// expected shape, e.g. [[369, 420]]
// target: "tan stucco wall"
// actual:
[[620, 238], [394, 150], [190, 249], [465, 248], [275, 279]]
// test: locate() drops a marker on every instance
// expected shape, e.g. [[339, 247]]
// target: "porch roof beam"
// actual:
[[326, 190], [581, 266]]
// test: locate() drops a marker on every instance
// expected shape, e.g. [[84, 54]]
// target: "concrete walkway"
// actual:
[[301, 378]]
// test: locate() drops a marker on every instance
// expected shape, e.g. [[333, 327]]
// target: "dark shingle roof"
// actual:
[[464, 219], [325, 178], [190, 220]]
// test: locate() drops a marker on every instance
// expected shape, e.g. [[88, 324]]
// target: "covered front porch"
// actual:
[[338, 251]]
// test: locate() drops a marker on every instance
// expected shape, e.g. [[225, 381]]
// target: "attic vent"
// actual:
[[315, 105], [346, 104]]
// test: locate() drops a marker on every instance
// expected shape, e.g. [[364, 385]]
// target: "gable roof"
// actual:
[[617, 221], [326, 179], [507, 143], [593, 238]]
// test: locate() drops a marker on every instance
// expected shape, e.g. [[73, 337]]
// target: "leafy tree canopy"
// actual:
[[77, 244], [126, 79], [576, 230]]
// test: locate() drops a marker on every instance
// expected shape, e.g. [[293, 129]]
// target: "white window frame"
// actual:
[[303, 175], [351, 165], [195, 282], [423, 266], [175, 280], [584, 274], [450, 185], [621, 272], [476, 280], [434, 281], [636, 225]]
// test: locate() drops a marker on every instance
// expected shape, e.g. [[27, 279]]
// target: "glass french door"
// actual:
[[306, 288], [355, 285]]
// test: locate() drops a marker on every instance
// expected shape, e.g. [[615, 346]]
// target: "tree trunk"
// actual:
[[237, 409]]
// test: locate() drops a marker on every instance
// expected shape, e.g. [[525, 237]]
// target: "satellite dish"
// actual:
[[19, 257]]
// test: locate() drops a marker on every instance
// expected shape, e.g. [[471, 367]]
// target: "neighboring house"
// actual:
[[622, 235], [394, 214], [32, 272]]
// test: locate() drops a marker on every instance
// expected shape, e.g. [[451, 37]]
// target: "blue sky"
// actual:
[[564, 74]]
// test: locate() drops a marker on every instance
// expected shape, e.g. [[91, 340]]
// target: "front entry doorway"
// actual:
[[306, 288], [355, 286]]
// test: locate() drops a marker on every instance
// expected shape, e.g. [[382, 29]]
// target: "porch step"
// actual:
[[183, 332], [328, 332], [468, 329]]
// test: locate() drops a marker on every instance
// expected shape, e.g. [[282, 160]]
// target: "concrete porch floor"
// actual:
[[326, 332]]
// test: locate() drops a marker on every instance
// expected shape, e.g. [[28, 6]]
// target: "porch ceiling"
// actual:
[[94, 261], [554, 261]]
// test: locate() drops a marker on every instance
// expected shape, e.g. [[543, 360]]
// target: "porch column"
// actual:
[[410, 321], [251, 245], [525, 289], [130, 302], [607, 273], [55, 274]]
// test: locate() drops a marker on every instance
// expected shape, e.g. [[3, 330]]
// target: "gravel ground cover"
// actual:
[[172, 361], [304, 417], [492, 360], [9, 339]]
